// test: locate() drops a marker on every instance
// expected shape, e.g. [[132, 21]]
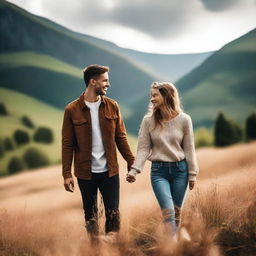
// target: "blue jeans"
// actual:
[[169, 181]]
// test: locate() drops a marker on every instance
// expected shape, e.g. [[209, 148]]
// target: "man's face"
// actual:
[[101, 84]]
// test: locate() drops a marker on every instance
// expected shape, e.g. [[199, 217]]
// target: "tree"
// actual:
[[21, 137], [8, 144], [34, 158], [27, 122], [15, 165], [3, 110], [43, 135], [250, 127], [1, 148], [203, 137], [226, 132]]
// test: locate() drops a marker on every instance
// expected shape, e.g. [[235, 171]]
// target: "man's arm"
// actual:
[[67, 150], [121, 140]]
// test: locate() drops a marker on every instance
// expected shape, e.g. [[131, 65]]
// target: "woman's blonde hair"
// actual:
[[171, 106]]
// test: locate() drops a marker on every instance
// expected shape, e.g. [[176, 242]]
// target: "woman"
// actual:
[[166, 138]]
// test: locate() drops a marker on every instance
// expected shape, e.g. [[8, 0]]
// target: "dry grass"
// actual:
[[37, 217]]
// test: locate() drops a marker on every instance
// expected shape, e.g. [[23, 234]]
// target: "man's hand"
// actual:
[[131, 175], [191, 184], [69, 184]]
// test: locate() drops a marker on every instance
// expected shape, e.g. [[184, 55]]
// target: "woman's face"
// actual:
[[156, 98]]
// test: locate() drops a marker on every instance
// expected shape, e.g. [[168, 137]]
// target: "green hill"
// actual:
[[41, 114], [224, 82]]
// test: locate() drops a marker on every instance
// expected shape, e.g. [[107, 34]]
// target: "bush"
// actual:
[[34, 158], [8, 144], [3, 110], [43, 135], [203, 137], [250, 127], [1, 148], [226, 132], [15, 165], [21, 137], [27, 122]]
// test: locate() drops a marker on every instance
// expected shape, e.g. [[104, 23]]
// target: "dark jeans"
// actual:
[[109, 189]]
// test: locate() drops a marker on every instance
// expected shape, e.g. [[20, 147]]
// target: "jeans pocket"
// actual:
[[182, 166]]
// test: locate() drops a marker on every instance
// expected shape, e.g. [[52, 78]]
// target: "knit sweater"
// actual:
[[172, 143]]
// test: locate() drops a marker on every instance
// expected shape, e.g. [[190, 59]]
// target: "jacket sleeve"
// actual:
[[144, 146], [121, 140], [67, 144], [189, 149]]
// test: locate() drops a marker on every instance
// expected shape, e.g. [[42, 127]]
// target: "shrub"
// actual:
[[27, 122], [8, 144], [33, 157], [21, 137], [3, 110], [226, 132], [1, 148], [250, 127], [15, 165], [203, 137], [43, 135]]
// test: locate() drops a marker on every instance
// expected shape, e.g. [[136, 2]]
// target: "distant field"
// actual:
[[33, 59]]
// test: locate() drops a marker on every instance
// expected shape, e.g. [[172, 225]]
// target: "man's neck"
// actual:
[[91, 96]]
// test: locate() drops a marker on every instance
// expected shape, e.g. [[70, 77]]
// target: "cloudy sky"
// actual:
[[159, 26]]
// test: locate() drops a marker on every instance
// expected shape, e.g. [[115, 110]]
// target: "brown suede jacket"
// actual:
[[77, 137]]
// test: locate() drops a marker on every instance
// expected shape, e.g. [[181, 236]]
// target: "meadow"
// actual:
[[219, 217]]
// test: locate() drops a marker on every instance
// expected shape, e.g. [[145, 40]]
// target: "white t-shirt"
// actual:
[[99, 161]]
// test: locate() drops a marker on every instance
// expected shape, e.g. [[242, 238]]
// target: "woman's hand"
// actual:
[[131, 175], [191, 184]]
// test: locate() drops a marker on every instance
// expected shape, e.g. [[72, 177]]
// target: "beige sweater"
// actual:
[[173, 143]]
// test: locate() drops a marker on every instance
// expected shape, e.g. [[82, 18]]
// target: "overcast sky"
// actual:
[[159, 26]]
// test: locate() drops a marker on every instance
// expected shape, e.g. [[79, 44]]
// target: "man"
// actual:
[[92, 128]]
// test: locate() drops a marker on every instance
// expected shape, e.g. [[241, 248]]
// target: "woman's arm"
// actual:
[[189, 149]]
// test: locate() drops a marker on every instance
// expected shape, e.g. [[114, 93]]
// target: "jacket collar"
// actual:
[[82, 103]]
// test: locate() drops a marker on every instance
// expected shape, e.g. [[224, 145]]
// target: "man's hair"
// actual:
[[92, 71]]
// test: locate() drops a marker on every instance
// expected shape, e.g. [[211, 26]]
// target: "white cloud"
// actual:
[[166, 26]]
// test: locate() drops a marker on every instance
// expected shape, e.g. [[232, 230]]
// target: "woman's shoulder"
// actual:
[[184, 117]]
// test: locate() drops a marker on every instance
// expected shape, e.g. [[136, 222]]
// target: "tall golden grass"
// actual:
[[37, 217]]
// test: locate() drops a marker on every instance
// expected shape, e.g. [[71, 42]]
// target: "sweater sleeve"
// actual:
[[144, 146], [189, 149]]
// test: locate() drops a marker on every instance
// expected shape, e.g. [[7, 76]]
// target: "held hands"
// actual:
[[191, 184], [69, 184], [131, 175]]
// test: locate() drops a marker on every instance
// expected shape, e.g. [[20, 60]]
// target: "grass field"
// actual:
[[39, 218]]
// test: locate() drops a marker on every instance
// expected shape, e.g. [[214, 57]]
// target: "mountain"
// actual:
[[166, 66], [23, 32], [131, 71], [223, 82]]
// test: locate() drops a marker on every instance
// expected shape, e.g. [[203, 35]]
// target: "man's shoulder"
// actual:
[[72, 104], [110, 101]]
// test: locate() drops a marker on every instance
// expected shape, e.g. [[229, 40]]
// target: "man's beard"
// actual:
[[100, 91]]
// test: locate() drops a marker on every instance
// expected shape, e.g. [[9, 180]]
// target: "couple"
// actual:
[[93, 127]]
